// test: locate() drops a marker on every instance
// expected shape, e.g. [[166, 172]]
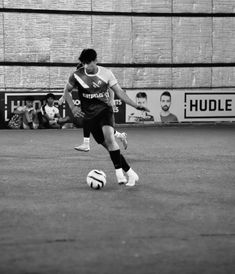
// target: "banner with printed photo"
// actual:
[[9, 101], [172, 106], [166, 106], [147, 98]]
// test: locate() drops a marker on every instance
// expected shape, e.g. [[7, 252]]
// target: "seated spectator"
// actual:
[[49, 116], [25, 116]]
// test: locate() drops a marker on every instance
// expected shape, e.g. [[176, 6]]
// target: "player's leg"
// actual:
[[85, 146], [43, 120], [114, 151], [35, 121], [26, 123], [122, 136], [103, 133], [118, 159], [63, 120]]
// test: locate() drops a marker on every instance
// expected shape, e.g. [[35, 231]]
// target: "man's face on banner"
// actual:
[[142, 102], [165, 102]]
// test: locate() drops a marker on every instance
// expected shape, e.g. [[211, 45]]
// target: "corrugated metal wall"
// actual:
[[147, 43]]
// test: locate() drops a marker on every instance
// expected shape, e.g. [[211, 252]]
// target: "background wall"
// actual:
[[148, 44]]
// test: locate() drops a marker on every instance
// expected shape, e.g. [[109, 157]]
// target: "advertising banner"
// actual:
[[167, 106], [12, 100], [9, 101]]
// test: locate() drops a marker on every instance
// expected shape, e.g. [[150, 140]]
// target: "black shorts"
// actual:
[[104, 118]]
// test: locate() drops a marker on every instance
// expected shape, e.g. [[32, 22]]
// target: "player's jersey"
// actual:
[[93, 89], [50, 111]]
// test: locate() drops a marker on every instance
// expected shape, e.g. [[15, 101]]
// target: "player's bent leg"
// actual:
[[112, 146], [109, 138], [122, 136]]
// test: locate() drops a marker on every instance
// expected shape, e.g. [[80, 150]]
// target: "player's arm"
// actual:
[[57, 115], [44, 113], [125, 98], [68, 97], [27, 116], [111, 100]]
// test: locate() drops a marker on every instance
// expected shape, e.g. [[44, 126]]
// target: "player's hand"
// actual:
[[143, 108], [77, 112], [111, 103]]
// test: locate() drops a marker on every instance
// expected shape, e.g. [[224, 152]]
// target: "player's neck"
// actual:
[[93, 71]]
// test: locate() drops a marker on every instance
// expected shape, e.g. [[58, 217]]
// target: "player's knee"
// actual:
[[109, 141], [111, 144]]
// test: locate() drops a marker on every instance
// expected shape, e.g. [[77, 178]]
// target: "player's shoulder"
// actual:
[[104, 70], [106, 73], [77, 71]]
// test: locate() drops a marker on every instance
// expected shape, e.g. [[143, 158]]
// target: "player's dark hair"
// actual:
[[165, 93], [141, 95], [79, 65], [29, 98], [50, 95], [87, 56]]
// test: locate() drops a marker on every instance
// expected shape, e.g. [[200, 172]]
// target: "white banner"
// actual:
[[195, 105]]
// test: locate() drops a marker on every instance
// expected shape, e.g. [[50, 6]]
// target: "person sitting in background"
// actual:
[[49, 116], [25, 116]]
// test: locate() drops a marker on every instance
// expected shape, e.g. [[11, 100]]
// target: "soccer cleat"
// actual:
[[133, 178], [83, 147], [121, 180], [123, 139]]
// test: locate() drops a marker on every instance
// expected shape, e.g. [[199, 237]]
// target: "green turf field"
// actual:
[[178, 219]]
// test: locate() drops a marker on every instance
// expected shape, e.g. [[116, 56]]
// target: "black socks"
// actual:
[[118, 160]]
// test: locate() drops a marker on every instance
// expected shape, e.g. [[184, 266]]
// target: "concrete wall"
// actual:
[[58, 38]]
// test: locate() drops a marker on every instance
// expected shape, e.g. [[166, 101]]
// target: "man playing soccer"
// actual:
[[85, 146], [93, 82]]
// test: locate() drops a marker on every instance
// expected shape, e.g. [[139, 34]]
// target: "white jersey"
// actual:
[[50, 111]]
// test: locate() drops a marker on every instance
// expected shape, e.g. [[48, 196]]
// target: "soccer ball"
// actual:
[[96, 179]]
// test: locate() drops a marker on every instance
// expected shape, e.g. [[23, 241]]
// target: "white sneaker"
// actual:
[[83, 147], [123, 139], [121, 180], [133, 178]]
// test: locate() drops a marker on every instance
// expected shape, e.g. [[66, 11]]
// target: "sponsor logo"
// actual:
[[209, 105], [95, 95]]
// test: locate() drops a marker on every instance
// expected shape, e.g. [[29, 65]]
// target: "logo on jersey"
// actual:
[[96, 95], [95, 85]]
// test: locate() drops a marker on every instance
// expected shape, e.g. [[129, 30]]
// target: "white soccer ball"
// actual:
[[96, 179]]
